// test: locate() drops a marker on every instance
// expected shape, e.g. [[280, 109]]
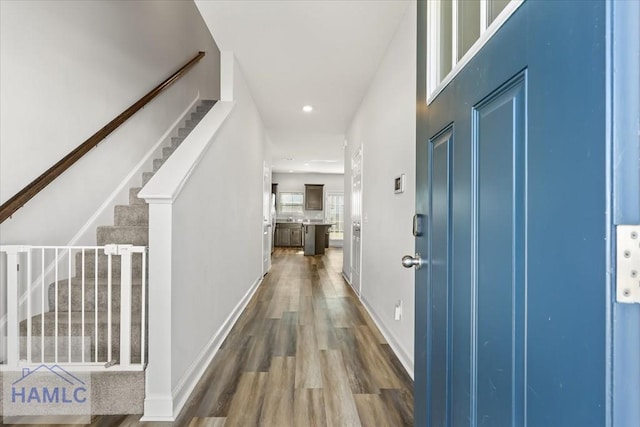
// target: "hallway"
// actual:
[[303, 353]]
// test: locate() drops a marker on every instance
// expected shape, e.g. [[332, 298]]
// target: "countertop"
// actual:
[[303, 223]]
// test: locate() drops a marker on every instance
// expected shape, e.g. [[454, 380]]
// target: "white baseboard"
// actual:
[[157, 405], [346, 278], [120, 192], [405, 359], [185, 386]]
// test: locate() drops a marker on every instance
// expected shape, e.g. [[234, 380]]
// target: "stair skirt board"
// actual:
[[167, 408]]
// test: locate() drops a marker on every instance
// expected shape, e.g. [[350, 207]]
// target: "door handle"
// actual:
[[409, 261]]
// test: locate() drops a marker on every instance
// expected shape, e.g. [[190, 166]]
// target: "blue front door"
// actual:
[[513, 309]]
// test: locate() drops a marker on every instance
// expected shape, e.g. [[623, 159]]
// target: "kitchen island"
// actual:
[[310, 235], [316, 237]]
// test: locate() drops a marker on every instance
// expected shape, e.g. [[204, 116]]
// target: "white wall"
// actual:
[[385, 126], [66, 69], [294, 182]]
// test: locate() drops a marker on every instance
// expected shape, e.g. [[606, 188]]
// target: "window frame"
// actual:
[[435, 84], [328, 210], [281, 204]]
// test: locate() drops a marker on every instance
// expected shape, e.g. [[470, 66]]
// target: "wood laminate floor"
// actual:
[[303, 353]]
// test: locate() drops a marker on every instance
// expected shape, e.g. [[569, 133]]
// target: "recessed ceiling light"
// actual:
[[306, 164], [307, 108], [290, 171]]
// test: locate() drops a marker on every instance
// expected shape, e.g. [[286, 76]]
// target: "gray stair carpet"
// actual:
[[67, 297]]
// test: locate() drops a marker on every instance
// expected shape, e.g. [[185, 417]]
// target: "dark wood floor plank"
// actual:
[[375, 359], [308, 408], [246, 406], [277, 409], [344, 313], [325, 333], [308, 372], [406, 383], [261, 347], [399, 406], [340, 406], [372, 411], [207, 422], [223, 379], [370, 323], [360, 378], [305, 311], [286, 335]]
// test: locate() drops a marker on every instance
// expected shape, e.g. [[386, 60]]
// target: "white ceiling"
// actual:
[[297, 52]]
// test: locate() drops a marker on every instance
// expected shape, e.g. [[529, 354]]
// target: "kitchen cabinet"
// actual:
[[313, 197], [283, 236], [296, 237], [289, 235]]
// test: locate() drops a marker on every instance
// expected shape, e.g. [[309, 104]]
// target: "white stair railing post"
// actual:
[[125, 252], [13, 328]]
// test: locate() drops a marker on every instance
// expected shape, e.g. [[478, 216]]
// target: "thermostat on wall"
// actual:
[[398, 184]]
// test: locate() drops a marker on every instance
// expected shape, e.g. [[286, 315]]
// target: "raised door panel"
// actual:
[[439, 286], [500, 144]]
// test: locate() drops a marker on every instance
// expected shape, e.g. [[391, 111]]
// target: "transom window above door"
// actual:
[[457, 31]]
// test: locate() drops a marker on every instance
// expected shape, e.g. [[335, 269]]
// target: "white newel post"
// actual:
[[13, 332], [158, 403]]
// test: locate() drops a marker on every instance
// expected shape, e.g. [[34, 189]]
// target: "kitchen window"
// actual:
[[335, 215], [291, 203]]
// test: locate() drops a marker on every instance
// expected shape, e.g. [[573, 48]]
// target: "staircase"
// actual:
[[118, 392]]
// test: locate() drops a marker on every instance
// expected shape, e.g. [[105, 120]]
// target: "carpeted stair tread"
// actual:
[[168, 151], [157, 164], [146, 176], [131, 215], [90, 260], [133, 197], [123, 234], [89, 292]]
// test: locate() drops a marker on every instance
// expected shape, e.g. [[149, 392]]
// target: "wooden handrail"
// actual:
[[27, 193]]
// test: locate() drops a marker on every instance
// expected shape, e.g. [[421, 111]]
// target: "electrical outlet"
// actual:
[[398, 310]]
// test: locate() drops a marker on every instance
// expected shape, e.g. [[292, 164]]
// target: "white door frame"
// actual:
[[267, 233], [356, 219]]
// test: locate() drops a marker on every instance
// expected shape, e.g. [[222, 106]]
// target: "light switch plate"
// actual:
[[628, 264]]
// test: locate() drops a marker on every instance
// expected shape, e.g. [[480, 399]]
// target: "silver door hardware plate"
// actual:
[[628, 264]]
